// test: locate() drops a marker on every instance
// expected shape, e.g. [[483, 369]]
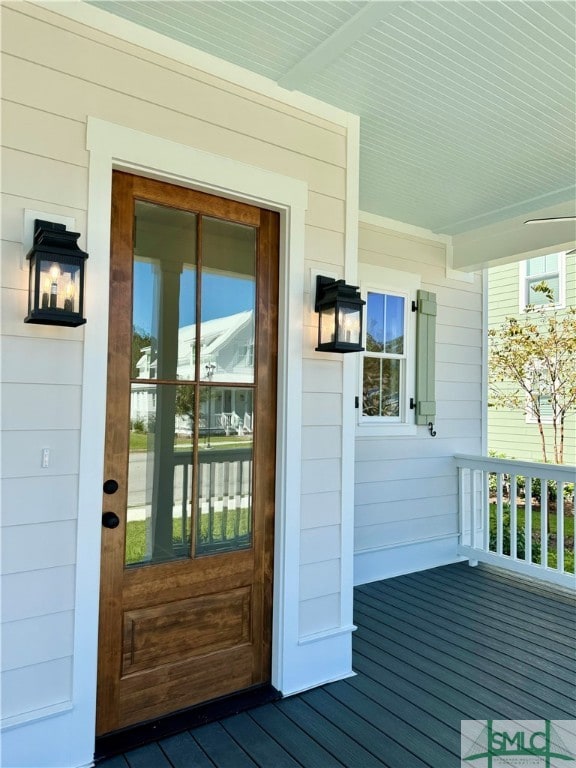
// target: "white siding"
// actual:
[[56, 73], [406, 490]]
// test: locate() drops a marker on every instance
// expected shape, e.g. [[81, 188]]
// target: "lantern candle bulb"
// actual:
[[69, 300], [45, 293], [54, 275]]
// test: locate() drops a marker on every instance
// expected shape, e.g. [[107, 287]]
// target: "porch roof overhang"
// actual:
[[467, 110]]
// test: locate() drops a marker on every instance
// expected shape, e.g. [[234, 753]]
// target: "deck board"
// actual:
[[432, 648], [490, 648], [481, 669], [183, 752], [223, 750]]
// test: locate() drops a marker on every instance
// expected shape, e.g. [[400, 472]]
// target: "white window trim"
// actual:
[[385, 280], [561, 303]]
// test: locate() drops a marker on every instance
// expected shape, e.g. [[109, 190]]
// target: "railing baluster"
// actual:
[[461, 506], [528, 519], [184, 499], [499, 514], [513, 518], [225, 500], [560, 527], [485, 511], [473, 502], [543, 522], [210, 468]]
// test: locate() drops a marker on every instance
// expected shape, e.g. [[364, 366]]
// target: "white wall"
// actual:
[[405, 486], [56, 74]]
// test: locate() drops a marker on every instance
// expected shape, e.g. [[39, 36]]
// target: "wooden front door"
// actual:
[[188, 503]]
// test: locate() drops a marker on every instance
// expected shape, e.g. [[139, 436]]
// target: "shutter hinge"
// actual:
[[412, 404], [356, 402], [414, 306]]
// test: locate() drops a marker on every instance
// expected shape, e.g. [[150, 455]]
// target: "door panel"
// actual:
[[186, 587]]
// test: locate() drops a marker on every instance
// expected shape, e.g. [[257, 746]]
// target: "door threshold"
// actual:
[[153, 730]]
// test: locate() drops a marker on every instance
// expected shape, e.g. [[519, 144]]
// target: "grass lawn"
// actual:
[[136, 532], [139, 442]]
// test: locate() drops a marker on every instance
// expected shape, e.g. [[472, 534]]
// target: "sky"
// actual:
[[228, 295]]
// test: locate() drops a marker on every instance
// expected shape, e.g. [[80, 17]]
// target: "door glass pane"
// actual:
[[159, 473], [164, 294], [228, 301], [224, 504]]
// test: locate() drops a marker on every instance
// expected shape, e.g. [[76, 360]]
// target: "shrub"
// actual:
[[506, 538]]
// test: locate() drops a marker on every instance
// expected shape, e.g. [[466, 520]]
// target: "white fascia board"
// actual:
[[514, 240], [128, 31], [402, 228]]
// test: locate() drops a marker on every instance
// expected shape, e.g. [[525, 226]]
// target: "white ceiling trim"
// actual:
[[337, 44], [513, 240], [401, 227], [518, 209]]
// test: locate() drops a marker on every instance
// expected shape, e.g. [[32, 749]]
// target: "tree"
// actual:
[[140, 340], [532, 363]]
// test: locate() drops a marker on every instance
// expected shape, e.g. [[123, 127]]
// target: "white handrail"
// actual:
[[496, 523]]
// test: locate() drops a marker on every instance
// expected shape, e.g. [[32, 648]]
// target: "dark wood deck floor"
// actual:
[[432, 649]]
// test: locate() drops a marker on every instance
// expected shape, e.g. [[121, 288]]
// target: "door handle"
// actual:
[[110, 520], [110, 486]]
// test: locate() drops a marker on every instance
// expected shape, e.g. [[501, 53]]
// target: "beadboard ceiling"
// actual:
[[468, 109]]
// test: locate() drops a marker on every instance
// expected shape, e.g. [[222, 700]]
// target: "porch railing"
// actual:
[[518, 515]]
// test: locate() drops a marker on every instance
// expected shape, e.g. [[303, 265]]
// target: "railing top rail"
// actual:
[[563, 472]]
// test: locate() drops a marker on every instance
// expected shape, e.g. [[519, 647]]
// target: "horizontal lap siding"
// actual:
[[406, 491], [55, 74]]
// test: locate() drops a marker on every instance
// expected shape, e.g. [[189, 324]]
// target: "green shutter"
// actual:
[[426, 358]]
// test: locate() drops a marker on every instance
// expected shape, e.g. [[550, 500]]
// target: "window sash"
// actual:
[[383, 373]]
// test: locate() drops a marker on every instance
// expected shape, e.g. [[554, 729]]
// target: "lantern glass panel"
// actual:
[[327, 325], [59, 285], [349, 325]]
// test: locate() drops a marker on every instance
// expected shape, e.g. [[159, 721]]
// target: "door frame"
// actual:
[[114, 147]]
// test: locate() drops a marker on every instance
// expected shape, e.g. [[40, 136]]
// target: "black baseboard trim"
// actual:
[[128, 738]]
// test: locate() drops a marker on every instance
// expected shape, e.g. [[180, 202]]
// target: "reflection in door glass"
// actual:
[[228, 301], [164, 294], [224, 504], [159, 473]]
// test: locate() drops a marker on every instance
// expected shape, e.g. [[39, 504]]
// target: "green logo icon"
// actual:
[[499, 743]]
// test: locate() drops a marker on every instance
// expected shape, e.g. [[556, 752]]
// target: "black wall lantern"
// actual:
[[340, 321], [56, 291]]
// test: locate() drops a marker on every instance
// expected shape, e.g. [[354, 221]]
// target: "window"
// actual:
[[548, 269], [386, 376], [385, 357], [540, 399]]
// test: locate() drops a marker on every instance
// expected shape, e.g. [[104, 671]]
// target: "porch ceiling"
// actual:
[[468, 109]]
